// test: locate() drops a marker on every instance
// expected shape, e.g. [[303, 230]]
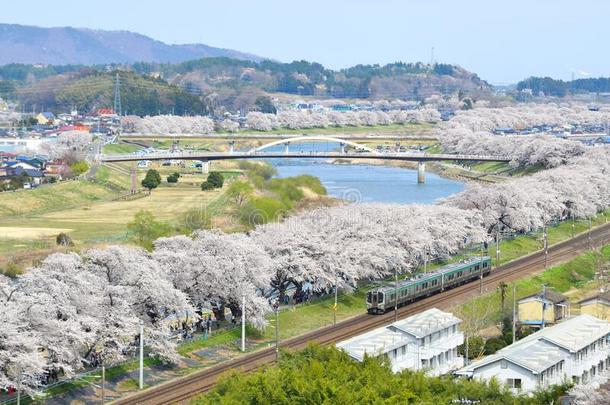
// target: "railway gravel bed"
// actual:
[[181, 390]]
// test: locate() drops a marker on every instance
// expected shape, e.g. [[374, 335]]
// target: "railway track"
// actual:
[[182, 389]]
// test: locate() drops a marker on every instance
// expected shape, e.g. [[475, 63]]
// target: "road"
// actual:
[[209, 156], [180, 390]]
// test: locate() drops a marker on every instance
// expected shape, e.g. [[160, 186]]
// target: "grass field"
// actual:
[[52, 197], [118, 148], [91, 212]]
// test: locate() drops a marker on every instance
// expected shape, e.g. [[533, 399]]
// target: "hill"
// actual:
[[67, 45], [560, 88], [237, 84], [90, 89]]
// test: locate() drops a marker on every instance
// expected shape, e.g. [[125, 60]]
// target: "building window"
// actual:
[[513, 383], [503, 364]]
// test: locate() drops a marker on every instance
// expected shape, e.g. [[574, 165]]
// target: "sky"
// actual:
[[502, 41]]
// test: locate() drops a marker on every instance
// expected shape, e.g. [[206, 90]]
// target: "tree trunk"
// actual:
[[219, 312]]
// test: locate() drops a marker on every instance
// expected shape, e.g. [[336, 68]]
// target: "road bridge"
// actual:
[[207, 157], [256, 136], [348, 149]]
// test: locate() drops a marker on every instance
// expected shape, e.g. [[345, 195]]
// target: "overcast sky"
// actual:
[[501, 41]]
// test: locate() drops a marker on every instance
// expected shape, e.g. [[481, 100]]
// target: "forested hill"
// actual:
[[395, 80], [67, 45], [560, 88], [89, 90], [228, 84]]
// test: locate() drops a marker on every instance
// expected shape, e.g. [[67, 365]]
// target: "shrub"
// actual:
[[63, 239], [79, 167], [216, 179], [173, 178], [262, 210], [206, 185], [151, 180]]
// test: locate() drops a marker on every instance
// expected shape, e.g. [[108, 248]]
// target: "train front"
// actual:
[[375, 302]]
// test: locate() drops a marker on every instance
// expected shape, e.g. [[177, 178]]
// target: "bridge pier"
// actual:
[[286, 147], [421, 172], [134, 177], [205, 167], [342, 148], [231, 146]]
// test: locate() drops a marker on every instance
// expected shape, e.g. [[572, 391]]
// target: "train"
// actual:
[[381, 299]]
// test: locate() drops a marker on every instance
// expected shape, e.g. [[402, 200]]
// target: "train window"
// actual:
[[484, 264], [369, 297], [476, 267], [380, 297]]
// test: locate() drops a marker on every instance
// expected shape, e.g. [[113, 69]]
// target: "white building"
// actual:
[[427, 341], [577, 349]]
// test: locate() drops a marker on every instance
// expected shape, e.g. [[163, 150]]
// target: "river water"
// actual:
[[365, 183], [371, 183]]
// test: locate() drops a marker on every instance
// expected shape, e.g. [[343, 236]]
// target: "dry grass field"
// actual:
[[92, 213]]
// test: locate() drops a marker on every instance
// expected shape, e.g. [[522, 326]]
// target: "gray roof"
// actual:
[[397, 334], [602, 296], [548, 346], [550, 295], [426, 323]]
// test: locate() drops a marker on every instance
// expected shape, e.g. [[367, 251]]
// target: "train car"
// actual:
[[379, 300]]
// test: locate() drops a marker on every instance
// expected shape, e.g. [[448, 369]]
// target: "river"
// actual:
[[371, 183]]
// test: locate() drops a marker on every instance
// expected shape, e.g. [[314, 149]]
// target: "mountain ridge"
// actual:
[[30, 44]]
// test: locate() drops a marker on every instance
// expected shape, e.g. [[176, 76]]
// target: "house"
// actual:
[[530, 308], [576, 350], [56, 169], [597, 305], [8, 173], [13, 164], [45, 118], [426, 341]]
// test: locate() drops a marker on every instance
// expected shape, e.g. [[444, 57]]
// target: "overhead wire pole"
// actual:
[[141, 354], [243, 323], [335, 306], [514, 312], [546, 246], [19, 386], [277, 330], [395, 292], [497, 248]]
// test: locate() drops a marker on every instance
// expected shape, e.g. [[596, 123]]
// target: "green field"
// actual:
[[119, 148]]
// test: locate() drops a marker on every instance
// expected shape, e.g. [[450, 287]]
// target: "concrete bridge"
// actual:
[[348, 149]]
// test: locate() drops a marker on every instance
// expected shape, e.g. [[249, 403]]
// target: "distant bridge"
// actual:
[[253, 136], [355, 151]]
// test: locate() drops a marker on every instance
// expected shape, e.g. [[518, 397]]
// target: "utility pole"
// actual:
[[103, 383], [141, 354], [514, 311], [395, 293], [573, 225], [19, 386], [425, 259], [543, 304], [466, 361], [546, 246], [335, 306], [277, 330], [481, 271], [243, 323], [497, 248]]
